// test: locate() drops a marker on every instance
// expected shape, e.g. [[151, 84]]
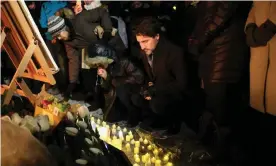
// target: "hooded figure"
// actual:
[[121, 74]]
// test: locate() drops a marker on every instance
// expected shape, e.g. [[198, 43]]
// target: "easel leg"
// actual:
[[3, 36], [20, 70]]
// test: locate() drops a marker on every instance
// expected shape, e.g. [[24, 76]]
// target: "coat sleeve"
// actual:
[[106, 22], [215, 19], [133, 74], [43, 18], [177, 67], [258, 36]]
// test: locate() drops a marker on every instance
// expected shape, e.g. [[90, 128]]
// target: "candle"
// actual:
[[146, 141], [141, 139], [117, 143], [137, 144], [136, 155], [99, 121], [113, 126], [114, 131], [132, 141], [107, 126], [135, 164], [93, 124], [104, 124], [166, 158], [127, 138], [104, 133], [155, 152], [114, 137], [109, 140], [136, 150], [130, 133], [153, 159], [118, 128], [169, 164], [144, 159], [130, 136], [127, 145], [149, 147], [92, 119], [157, 162], [121, 135], [137, 160], [125, 130]]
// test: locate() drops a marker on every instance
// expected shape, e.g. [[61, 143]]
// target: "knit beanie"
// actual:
[[56, 25]]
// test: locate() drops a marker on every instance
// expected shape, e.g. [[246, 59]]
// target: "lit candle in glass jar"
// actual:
[[104, 124], [92, 119], [118, 128], [141, 140], [125, 130], [149, 147], [166, 158], [130, 136], [158, 163], [132, 141], [114, 131], [127, 138], [137, 144], [153, 159], [99, 121], [137, 160], [169, 164], [146, 141], [121, 135], [136, 150], [155, 152], [113, 126]]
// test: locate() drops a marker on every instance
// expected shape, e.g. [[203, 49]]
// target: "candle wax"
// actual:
[[141, 139], [124, 130], [166, 158], [113, 126], [169, 164], [153, 159]]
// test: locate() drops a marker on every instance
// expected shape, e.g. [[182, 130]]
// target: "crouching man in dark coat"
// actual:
[[166, 75]]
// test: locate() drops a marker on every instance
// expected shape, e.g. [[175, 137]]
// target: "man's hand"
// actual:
[[78, 8], [102, 73], [148, 98]]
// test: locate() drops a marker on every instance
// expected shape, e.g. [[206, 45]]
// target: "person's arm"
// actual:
[[43, 17], [259, 36], [133, 74], [178, 70], [211, 24], [106, 23]]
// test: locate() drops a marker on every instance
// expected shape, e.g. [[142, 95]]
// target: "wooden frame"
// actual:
[[27, 50]]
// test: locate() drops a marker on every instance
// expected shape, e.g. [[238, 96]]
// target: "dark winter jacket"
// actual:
[[169, 69], [219, 41], [121, 71]]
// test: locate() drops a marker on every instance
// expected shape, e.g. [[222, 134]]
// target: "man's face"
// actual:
[[147, 44], [88, 2]]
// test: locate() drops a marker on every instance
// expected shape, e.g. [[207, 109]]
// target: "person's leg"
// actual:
[[73, 55], [125, 93], [223, 101]]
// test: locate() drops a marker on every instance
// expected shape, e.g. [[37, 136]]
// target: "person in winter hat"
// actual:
[[122, 74]]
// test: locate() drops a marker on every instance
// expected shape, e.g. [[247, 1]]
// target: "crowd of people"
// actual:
[[156, 56]]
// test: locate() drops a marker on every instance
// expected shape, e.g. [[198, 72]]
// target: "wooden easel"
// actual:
[[20, 40]]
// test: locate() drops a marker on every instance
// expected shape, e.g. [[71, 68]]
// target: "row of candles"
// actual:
[[144, 152]]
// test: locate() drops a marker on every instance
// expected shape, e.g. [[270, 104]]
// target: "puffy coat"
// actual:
[[219, 41], [121, 71], [261, 37]]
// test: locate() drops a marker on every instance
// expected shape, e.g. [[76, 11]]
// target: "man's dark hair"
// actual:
[[148, 26]]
